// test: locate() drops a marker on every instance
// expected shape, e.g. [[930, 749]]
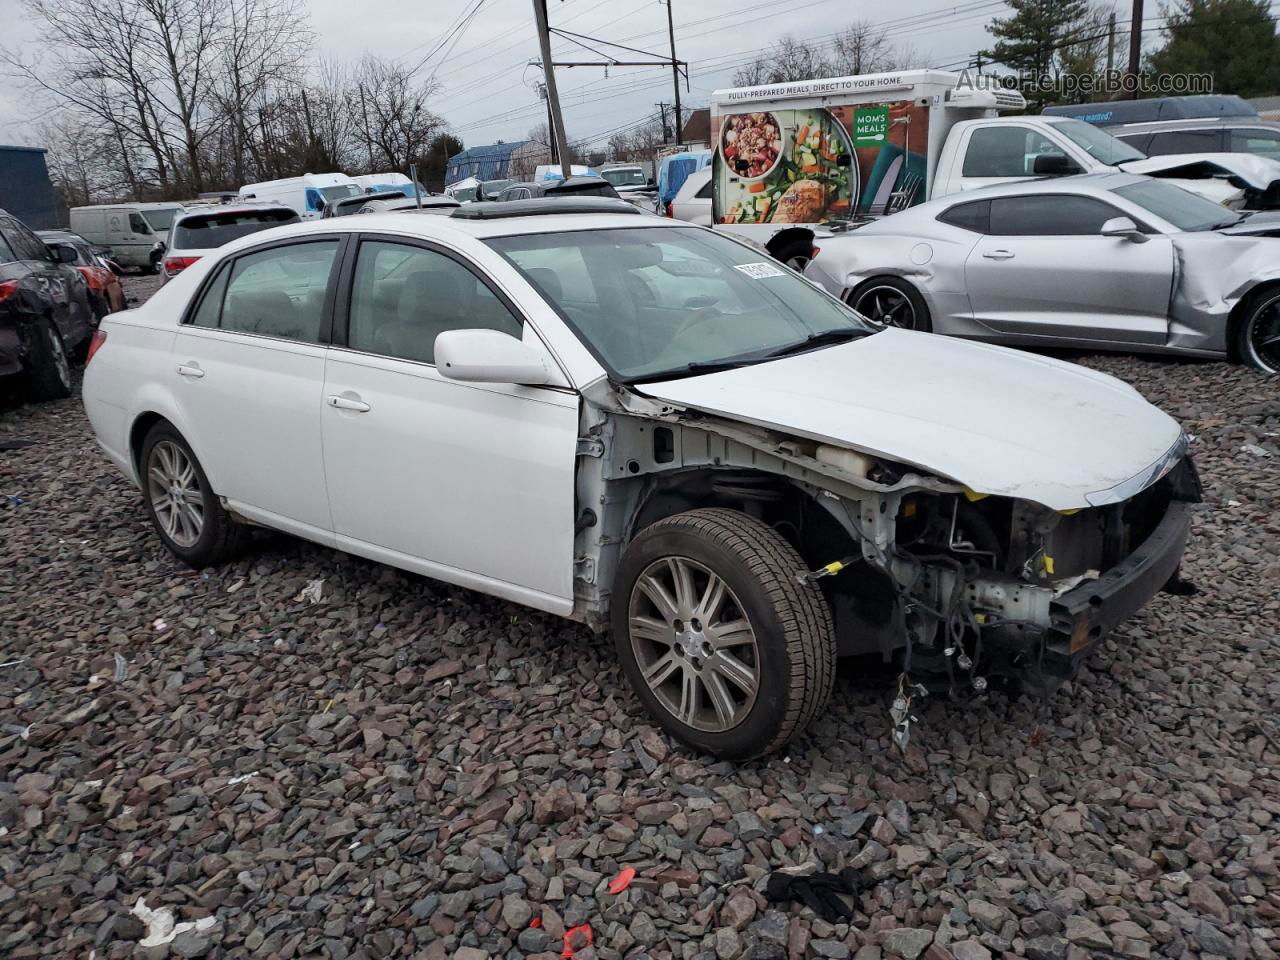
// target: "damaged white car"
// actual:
[[1109, 260], [646, 427]]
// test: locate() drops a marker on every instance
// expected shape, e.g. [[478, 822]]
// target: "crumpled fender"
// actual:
[[1216, 272], [1256, 172]]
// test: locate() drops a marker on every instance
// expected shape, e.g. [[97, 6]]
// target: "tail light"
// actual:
[[671, 210], [8, 289], [816, 250], [98, 339], [175, 265]]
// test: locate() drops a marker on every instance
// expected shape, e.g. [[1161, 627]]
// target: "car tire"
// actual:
[[48, 363], [182, 505], [1258, 333], [735, 693], [891, 302]]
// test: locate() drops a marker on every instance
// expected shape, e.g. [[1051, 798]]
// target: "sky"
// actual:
[[488, 89]]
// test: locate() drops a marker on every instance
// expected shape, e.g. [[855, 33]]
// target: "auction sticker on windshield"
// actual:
[[759, 271]]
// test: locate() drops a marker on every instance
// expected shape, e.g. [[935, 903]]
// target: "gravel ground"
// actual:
[[404, 769]]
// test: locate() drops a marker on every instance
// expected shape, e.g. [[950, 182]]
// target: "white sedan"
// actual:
[[645, 426]]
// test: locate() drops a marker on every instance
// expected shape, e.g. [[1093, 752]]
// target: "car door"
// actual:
[[247, 378], [472, 483], [1043, 269]]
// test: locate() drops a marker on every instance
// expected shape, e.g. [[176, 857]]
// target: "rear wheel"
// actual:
[[727, 649], [183, 507], [796, 254], [891, 302], [1258, 335], [48, 365]]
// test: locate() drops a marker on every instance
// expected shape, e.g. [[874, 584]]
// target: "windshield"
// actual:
[[331, 194], [1098, 143], [161, 218], [208, 230], [1182, 208], [582, 187], [624, 177], [466, 193], [654, 303]]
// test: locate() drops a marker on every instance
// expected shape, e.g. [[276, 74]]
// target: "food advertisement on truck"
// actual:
[[821, 164]]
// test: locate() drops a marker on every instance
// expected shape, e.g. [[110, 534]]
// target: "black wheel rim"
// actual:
[[1262, 338], [886, 306]]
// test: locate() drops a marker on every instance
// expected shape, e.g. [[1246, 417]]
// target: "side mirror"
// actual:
[[1054, 165], [1122, 228], [488, 356]]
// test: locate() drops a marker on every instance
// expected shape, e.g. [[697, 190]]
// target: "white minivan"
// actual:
[[307, 194], [137, 233]]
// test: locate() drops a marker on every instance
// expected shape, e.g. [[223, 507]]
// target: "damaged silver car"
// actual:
[[652, 429], [1111, 261]]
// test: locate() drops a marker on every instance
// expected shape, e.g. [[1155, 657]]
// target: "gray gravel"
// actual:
[[405, 769]]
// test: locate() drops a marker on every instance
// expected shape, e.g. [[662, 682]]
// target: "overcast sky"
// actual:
[[488, 90]]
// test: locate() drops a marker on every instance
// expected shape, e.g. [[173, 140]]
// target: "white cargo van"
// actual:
[[136, 232], [306, 194]]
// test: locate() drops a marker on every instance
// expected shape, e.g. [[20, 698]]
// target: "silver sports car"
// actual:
[[1110, 260]]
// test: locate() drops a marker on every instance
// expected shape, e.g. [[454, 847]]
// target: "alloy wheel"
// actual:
[[1262, 339], [797, 263], [61, 365], [174, 490], [887, 306], [693, 644]]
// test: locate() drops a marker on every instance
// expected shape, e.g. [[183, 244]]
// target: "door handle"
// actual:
[[347, 403], [998, 255], [191, 370]]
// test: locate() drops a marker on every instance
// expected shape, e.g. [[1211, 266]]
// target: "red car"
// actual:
[[105, 292]]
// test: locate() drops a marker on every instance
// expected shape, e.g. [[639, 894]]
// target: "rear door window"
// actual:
[[279, 292], [1184, 141]]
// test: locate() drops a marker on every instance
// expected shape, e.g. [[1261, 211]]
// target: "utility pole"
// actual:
[[662, 109], [1111, 41], [675, 69], [553, 98], [551, 129], [1135, 49]]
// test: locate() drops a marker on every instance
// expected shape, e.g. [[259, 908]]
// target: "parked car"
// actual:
[[437, 205], [200, 232], [46, 321], [1166, 137], [693, 202], [575, 186], [470, 189], [628, 178], [673, 170], [349, 205], [1103, 260], [1152, 109], [106, 294], [387, 183], [306, 195], [646, 425], [136, 233]]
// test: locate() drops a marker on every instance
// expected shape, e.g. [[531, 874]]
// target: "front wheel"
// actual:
[[719, 638], [890, 302], [183, 507], [48, 365], [1258, 336], [796, 254]]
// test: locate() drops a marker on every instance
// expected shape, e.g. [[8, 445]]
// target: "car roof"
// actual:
[[232, 208], [1192, 123]]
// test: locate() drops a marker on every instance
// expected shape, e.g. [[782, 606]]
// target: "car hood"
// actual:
[[998, 421], [1258, 172]]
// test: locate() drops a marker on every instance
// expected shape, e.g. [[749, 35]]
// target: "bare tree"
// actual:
[[396, 127], [863, 47], [787, 59]]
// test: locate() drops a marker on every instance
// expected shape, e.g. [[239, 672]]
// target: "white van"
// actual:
[[306, 194], [136, 232]]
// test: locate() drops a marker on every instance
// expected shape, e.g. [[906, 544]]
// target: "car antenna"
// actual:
[[413, 174]]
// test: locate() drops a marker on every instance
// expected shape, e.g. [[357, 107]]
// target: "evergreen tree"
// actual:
[[1033, 37], [1234, 40]]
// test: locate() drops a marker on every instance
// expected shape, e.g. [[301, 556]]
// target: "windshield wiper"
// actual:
[[815, 340], [1223, 224]]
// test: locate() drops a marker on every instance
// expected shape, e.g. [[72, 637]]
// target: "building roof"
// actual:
[[15, 147], [492, 151], [697, 129]]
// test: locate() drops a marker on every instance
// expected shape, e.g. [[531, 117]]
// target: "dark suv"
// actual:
[[46, 320]]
